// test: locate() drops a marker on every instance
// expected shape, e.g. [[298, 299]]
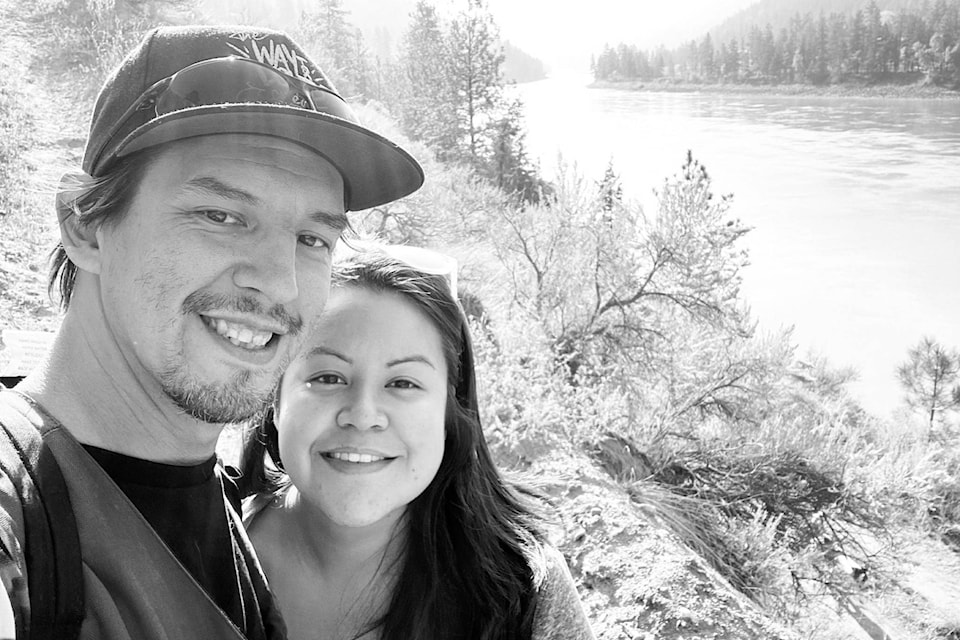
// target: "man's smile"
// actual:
[[239, 334]]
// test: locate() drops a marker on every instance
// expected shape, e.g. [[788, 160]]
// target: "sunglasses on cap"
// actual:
[[424, 260], [231, 80]]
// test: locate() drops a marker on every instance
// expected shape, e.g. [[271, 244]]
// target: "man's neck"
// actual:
[[103, 402]]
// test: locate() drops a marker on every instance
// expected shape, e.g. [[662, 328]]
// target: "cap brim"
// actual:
[[375, 171]]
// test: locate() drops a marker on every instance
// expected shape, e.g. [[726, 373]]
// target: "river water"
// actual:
[[854, 204]]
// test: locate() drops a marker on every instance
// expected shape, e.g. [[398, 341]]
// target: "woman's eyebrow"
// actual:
[[322, 350], [413, 358]]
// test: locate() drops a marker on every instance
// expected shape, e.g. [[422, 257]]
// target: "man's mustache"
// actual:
[[200, 301]]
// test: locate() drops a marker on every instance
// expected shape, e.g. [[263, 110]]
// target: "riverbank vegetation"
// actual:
[[711, 481], [918, 46]]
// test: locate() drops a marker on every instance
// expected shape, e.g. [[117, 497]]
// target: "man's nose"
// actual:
[[270, 267]]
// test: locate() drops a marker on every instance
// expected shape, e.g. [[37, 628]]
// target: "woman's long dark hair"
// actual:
[[472, 561]]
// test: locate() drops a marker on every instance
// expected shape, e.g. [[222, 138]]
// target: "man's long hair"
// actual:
[[94, 201]]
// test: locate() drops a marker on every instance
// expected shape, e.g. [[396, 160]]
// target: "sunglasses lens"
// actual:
[[227, 81]]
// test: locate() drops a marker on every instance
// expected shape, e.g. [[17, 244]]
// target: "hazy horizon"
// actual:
[[560, 34]]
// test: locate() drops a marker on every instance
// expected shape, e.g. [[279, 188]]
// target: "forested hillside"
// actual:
[[763, 45], [709, 482], [520, 66], [779, 13]]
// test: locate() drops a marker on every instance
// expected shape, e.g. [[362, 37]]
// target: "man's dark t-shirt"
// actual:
[[185, 506]]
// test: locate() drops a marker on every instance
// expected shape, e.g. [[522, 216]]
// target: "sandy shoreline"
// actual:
[[910, 91]]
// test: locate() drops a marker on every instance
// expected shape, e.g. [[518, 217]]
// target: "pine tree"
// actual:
[[611, 191], [856, 47], [873, 42], [837, 46], [327, 34], [929, 378], [475, 59], [821, 71], [425, 93], [509, 167], [706, 58]]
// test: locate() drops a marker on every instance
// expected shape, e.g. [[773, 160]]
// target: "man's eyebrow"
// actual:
[[216, 187], [332, 219], [413, 358]]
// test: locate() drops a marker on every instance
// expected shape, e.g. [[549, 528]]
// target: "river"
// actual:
[[854, 204]]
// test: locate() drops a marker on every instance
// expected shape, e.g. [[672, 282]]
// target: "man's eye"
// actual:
[[222, 217], [311, 240]]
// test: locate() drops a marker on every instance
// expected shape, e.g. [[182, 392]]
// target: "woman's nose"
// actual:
[[362, 411]]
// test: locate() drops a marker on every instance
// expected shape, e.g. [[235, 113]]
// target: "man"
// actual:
[[195, 253]]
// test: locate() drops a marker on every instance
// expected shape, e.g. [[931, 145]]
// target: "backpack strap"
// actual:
[[52, 546]]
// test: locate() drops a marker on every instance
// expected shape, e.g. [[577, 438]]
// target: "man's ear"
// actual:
[[79, 240]]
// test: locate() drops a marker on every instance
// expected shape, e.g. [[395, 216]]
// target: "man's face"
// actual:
[[211, 279]]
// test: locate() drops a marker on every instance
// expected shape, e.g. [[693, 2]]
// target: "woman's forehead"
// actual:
[[357, 317]]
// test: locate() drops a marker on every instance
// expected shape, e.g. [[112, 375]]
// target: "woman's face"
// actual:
[[361, 412]]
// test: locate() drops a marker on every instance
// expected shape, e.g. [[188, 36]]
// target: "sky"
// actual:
[[562, 33], [565, 34]]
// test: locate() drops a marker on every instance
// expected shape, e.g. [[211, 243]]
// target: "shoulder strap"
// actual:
[[54, 572], [272, 625]]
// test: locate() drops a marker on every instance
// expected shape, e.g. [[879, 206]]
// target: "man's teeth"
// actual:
[[355, 457], [239, 334]]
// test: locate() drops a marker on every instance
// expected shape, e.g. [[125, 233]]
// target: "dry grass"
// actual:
[[26, 217]]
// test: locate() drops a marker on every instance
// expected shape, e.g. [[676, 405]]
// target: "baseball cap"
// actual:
[[183, 82]]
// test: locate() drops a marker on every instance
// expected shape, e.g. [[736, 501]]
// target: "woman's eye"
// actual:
[[326, 378], [404, 384]]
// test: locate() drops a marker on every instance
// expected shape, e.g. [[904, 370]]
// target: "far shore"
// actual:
[[799, 90]]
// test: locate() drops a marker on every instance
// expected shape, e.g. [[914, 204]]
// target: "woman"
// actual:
[[379, 513]]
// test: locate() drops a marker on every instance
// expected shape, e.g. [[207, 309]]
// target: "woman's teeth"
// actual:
[[354, 457]]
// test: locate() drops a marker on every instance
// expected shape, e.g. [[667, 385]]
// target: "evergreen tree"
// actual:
[[857, 57], [606, 64], [425, 92], [358, 69], [828, 49], [611, 191], [872, 39], [837, 47], [772, 66], [627, 58], [929, 377], [820, 73], [660, 64], [475, 56], [336, 45], [690, 60], [783, 61], [509, 167], [705, 58], [752, 47], [731, 61]]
